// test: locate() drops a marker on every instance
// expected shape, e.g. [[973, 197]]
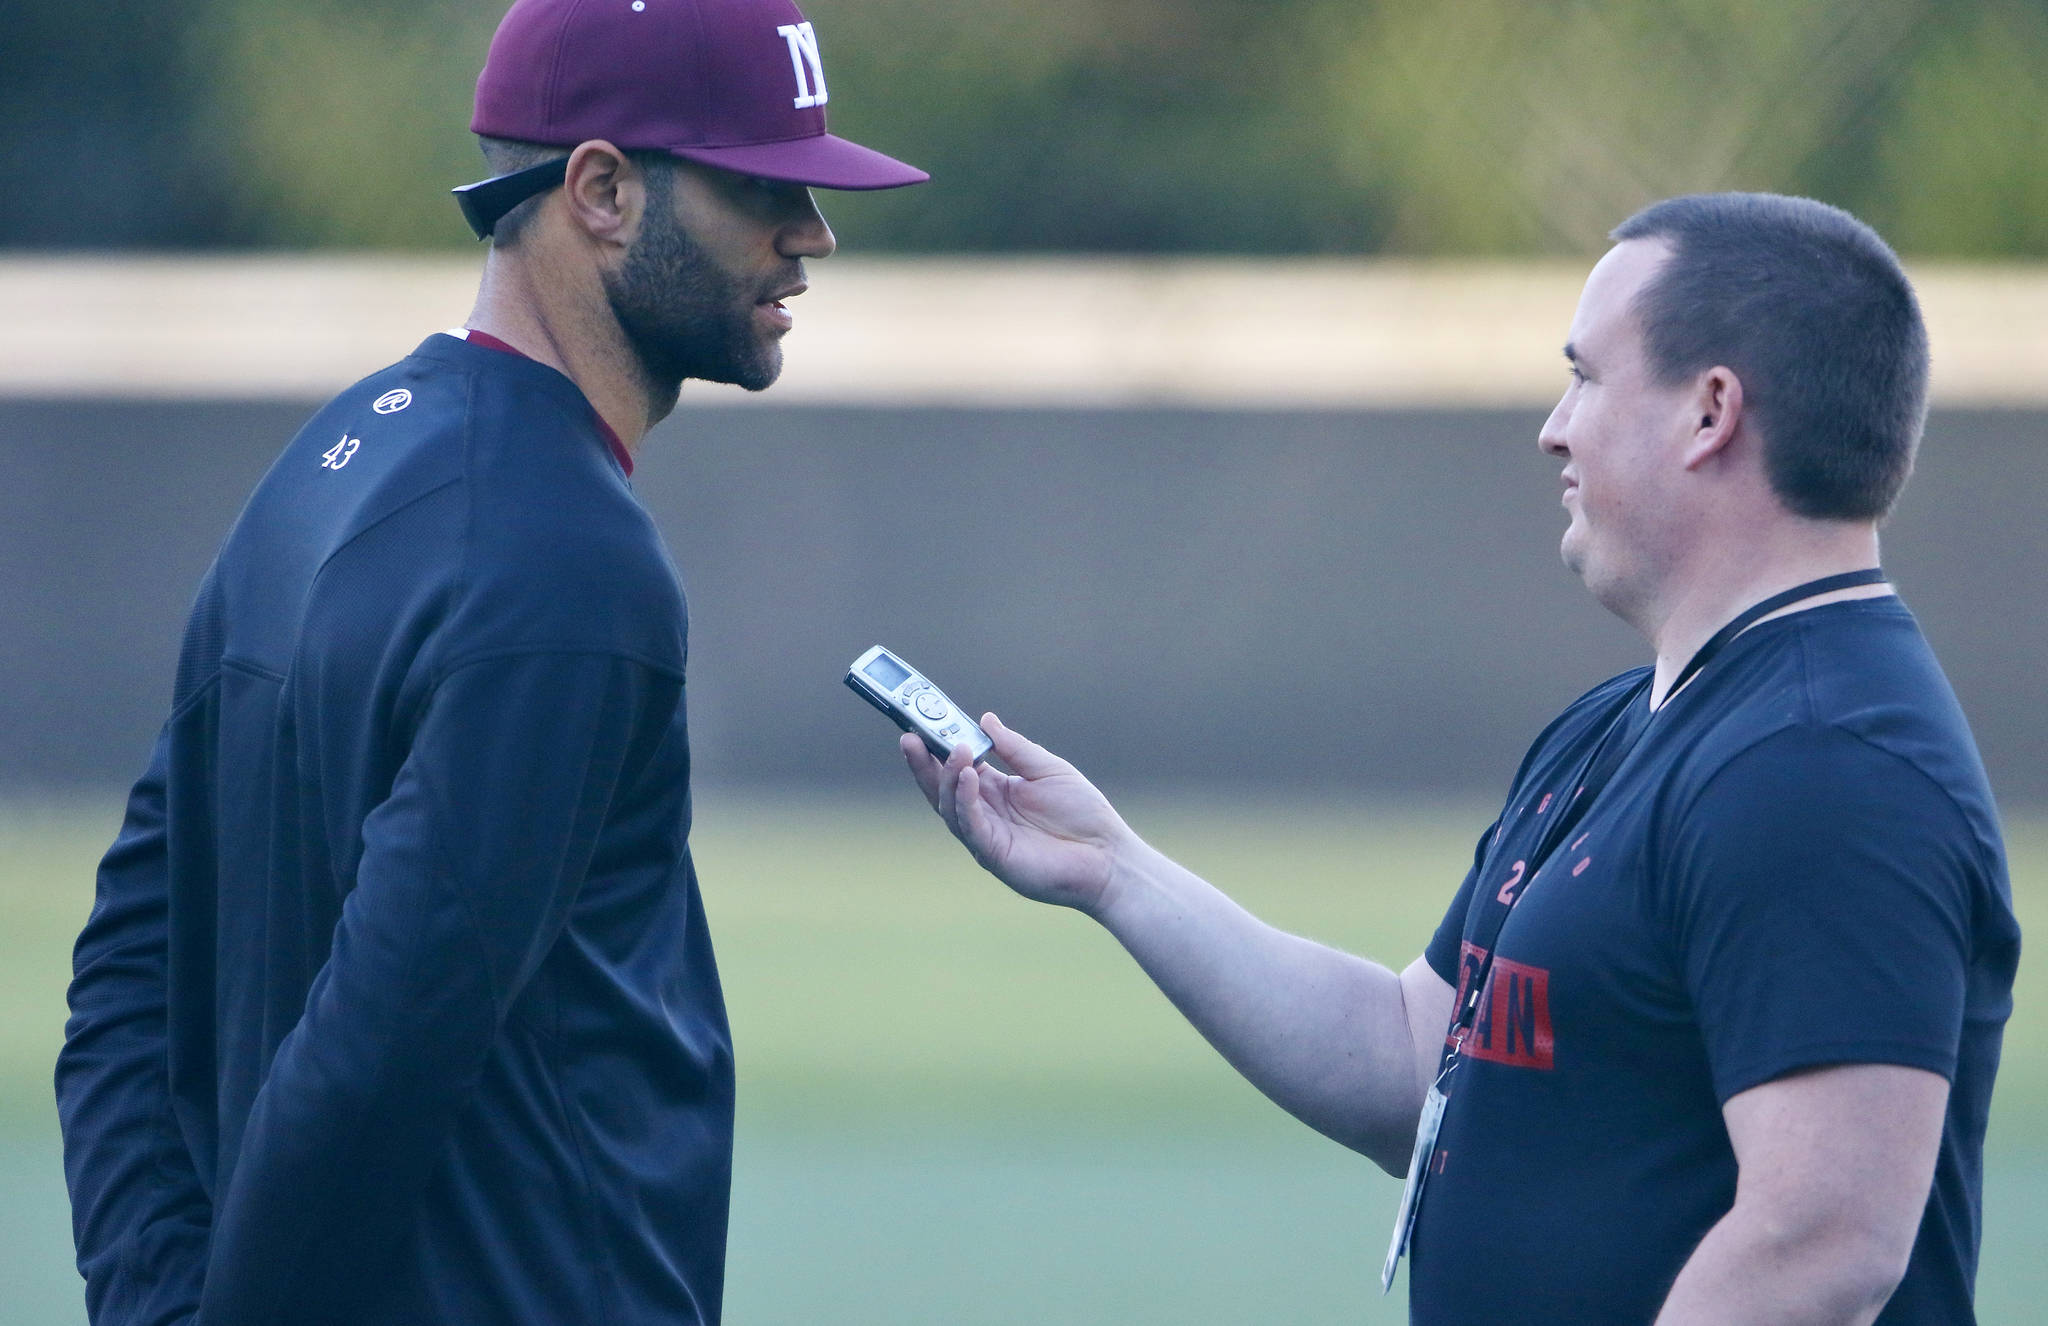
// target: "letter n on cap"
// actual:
[[804, 58]]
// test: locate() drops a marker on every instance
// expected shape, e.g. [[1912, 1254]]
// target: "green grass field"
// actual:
[[960, 1108]]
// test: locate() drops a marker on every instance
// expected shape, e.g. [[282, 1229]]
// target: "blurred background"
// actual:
[[1448, 127], [1187, 418]]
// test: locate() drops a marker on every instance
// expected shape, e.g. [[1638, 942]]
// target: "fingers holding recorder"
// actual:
[[923, 768], [942, 784], [1044, 830]]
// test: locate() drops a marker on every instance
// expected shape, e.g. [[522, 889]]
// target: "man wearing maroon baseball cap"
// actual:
[[397, 1002], [713, 111]]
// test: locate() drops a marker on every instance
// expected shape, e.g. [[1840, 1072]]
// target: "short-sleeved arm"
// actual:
[[468, 873], [1818, 892], [1447, 945], [140, 1216]]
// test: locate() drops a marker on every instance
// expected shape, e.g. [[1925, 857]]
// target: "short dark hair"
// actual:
[[1812, 311], [505, 155]]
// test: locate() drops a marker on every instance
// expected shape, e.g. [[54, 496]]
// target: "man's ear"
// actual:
[[1718, 412], [606, 193]]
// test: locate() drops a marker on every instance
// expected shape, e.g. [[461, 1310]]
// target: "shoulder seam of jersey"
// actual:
[[562, 649], [1806, 695], [1832, 726], [198, 693], [439, 676], [239, 664]]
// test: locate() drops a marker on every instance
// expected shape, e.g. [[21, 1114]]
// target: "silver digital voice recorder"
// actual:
[[915, 705]]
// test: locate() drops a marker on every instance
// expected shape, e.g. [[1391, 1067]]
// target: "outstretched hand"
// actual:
[[1043, 830]]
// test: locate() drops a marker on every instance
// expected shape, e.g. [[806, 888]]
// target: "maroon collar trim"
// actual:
[[611, 438]]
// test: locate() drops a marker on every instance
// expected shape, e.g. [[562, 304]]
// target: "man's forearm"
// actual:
[[1754, 1268], [1324, 1034]]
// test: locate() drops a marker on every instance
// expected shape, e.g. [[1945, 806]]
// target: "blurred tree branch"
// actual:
[[1346, 126]]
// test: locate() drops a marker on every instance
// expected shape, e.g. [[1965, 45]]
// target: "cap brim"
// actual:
[[823, 162]]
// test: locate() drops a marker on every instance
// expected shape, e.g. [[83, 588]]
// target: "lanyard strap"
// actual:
[[1587, 782], [1598, 769], [1812, 589]]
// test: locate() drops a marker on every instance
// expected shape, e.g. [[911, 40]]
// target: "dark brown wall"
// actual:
[[1361, 601]]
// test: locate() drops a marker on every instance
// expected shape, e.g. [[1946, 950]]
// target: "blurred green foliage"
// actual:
[[1342, 126]]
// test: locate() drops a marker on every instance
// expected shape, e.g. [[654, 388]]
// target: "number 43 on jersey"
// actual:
[[340, 453]]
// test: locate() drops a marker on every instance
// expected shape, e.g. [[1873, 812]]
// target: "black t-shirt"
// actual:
[[1799, 863]]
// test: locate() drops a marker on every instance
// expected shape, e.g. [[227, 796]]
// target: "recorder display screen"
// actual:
[[888, 672]]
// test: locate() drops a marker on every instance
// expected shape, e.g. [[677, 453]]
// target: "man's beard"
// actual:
[[684, 316]]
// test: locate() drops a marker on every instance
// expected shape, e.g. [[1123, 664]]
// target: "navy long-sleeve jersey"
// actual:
[[396, 1004]]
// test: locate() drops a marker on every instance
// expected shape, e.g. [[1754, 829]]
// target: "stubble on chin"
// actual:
[[768, 366]]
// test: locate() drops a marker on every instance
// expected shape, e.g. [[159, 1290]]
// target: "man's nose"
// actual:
[[1550, 438], [805, 234]]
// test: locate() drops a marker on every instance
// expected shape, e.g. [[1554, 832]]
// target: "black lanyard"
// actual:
[[1812, 589], [1615, 743]]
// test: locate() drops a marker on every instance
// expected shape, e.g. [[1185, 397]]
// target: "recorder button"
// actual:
[[931, 706]]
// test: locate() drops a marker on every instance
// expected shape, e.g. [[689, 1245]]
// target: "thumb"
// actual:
[[1026, 757]]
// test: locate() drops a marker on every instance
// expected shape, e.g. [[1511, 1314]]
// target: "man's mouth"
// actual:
[[775, 312]]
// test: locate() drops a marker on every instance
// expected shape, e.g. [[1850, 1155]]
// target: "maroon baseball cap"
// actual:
[[736, 84]]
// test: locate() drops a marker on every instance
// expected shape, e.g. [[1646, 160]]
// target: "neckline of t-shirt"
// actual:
[[485, 341], [1882, 604], [1879, 605]]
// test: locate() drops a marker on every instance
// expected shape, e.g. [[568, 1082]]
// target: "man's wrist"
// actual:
[[1132, 871]]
